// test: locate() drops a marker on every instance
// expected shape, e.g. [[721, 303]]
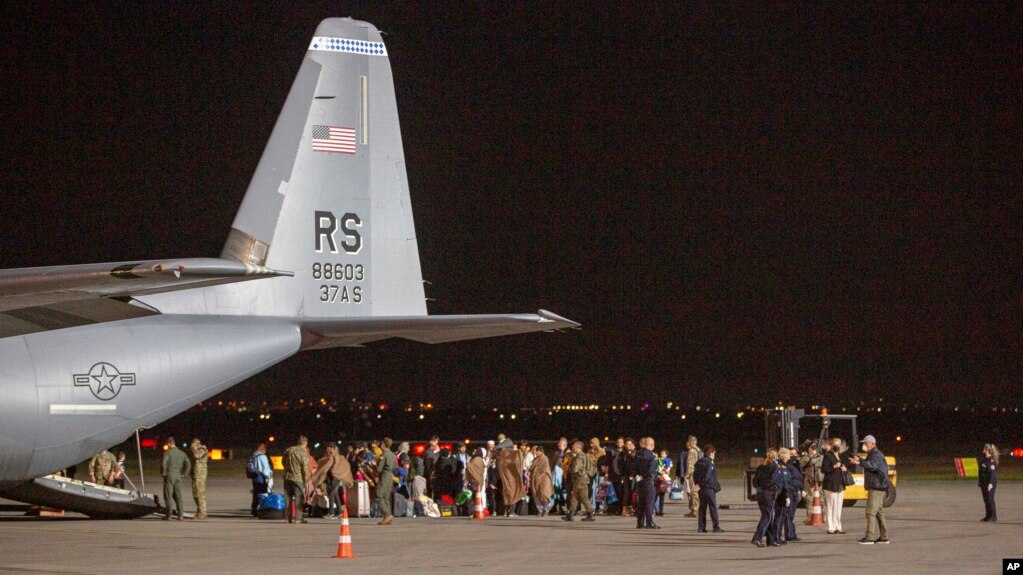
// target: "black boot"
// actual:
[[568, 517], [589, 517]]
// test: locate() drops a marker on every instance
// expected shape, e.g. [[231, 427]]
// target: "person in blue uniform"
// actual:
[[767, 491], [646, 467], [706, 476], [795, 496], [988, 480], [783, 479]]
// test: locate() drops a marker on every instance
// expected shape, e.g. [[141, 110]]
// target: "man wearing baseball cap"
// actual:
[[875, 481]]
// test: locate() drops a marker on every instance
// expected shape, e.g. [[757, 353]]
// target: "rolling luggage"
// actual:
[[271, 506], [399, 507], [357, 499]]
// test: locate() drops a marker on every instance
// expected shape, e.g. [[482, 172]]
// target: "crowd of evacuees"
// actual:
[[625, 477]]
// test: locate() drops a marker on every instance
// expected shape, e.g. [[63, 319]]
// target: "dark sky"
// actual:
[[753, 204]]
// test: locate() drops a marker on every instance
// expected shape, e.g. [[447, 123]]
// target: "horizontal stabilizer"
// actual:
[[32, 287], [338, 332]]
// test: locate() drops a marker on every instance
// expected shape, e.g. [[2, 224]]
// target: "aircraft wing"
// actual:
[[39, 299], [353, 331], [31, 287]]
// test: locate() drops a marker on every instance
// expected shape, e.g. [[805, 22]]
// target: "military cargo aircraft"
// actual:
[[322, 253]]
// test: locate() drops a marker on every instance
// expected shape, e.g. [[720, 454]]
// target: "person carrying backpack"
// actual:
[[259, 470], [583, 469]]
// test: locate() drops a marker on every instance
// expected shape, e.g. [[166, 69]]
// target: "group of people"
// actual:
[[506, 478], [622, 478], [107, 469], [781, 483]]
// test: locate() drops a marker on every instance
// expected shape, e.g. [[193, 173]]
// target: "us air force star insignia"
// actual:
[[104, 380]]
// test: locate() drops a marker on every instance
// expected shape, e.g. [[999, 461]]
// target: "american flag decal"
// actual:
[[335, 139]]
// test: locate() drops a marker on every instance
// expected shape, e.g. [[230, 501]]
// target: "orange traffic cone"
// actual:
[[477, 507], [344, 540], [816, 517]]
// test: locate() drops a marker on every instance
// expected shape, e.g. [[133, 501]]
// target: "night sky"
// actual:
[[738, 202]]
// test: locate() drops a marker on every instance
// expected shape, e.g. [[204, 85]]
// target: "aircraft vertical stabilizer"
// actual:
[[329, 199]]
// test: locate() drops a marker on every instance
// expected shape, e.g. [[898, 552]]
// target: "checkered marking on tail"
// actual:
[[328, 44]]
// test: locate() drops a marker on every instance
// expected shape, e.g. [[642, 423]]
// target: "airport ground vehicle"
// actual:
[[782, 429]]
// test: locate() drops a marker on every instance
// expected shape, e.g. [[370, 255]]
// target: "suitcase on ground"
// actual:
[[271, 506], [358, 500], [399, 507]]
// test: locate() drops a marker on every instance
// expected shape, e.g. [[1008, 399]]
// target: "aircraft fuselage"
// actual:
[[68, 394]]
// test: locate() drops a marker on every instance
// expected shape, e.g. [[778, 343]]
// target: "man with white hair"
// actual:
[[875, 481]]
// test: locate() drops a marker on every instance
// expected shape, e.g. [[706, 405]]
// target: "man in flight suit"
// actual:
[[385, 469], [175, 465]]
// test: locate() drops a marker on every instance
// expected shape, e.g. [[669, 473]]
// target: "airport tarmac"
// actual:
[[934, 527]]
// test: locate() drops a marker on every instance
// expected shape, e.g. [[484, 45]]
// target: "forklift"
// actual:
[[781, 429]]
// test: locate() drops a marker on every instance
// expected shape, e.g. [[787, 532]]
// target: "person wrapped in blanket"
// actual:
[[541, 482], [509, 468], [476, 474], [331, 478]]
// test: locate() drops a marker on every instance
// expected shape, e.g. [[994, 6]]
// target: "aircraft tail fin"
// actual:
[[329, 199]]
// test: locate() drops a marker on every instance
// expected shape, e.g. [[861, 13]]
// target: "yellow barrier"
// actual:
[[966, 467], [278, 461]]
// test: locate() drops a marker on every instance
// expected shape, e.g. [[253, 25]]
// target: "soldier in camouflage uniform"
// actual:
[[100, 467], [296, 473], [583, 469], [175, 465], [200, 458], [810, 463], [692, 456]]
